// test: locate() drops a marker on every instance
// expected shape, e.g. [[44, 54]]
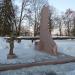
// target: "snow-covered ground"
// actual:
[[26, 54], [66, 46], [64, 69], [25, 51]]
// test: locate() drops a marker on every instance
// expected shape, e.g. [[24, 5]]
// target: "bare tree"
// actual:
[[58, 23], [68, 21], [23, 13], [36, 8], [52, 16]]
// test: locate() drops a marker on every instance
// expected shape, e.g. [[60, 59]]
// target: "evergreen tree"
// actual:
[[7, 17], [1, 17]]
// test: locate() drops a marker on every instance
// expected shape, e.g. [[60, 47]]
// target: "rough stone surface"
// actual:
[[46, 42]]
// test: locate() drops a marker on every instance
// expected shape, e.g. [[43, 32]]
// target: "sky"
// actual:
[[62, 5]]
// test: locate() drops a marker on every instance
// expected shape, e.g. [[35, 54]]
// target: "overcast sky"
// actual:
[[62, 5]]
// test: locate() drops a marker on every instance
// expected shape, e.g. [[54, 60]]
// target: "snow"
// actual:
[[66, 46], [64, 69], [27, 53]]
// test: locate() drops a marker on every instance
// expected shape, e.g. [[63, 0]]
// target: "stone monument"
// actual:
[[46, 42]]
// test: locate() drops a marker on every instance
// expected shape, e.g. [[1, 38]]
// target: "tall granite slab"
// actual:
[[46, 42]]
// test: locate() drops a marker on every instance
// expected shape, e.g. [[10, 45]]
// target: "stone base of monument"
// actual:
[[11, 56], [41, 48]]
